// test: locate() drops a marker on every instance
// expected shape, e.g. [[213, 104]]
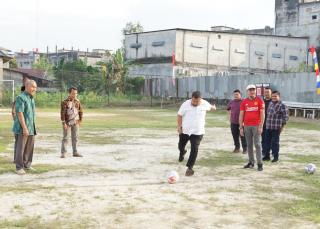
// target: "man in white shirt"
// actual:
[[191, 122]]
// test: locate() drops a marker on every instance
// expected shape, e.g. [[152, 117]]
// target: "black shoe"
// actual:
[[189, 172], [266, 158], [77, 155], [236, 150], [181, 156], [244, 151], [248, 166], [260, 167], [275, 160]]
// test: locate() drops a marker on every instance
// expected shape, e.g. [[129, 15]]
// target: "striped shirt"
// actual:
[[277, 115]]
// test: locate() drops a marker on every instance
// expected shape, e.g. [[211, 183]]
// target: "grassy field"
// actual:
[[119, 182]]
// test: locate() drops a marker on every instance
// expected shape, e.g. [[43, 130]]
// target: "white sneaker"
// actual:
[[20, 172]]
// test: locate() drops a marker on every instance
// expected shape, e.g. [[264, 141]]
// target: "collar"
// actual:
[[27, 94]]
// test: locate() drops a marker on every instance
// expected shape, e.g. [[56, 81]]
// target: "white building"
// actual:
[[199, 53], [298, 18]]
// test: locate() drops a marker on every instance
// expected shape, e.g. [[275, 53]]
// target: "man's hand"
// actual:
[[281, 129], [241, 131], [65, 126], [179, 129], [78, 122], [260, 129], [213, 108], [25, 132]]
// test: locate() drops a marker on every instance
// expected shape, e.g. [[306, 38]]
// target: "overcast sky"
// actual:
[[28, 24]]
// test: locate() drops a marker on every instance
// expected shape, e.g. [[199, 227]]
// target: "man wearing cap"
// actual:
[[251, 121], [191, 122]]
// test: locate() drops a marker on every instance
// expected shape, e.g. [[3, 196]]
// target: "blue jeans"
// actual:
[[272, 143]]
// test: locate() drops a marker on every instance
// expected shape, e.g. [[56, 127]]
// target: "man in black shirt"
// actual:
[[267, 100]]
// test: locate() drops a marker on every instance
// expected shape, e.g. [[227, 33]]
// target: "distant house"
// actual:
[[21, 75], [5, 57], [91, 58], [26, 60]]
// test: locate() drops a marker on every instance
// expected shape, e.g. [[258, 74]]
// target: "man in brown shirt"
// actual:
[[71, 118]]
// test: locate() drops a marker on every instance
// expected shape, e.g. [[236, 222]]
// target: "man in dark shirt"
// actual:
[[234, 111], [267, 100]]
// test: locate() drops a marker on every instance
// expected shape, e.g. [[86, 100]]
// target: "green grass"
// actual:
[[220, 158], [306, 187], [303, 124]]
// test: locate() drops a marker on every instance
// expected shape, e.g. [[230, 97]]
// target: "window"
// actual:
[[276, 55], [219, 36], [314, 17], [293, 58]]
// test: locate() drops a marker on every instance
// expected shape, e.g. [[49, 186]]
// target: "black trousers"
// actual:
[[195, 142], [265, 151], [272, 143], [236, 136]]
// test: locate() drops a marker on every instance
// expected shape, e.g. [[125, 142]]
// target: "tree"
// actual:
[[129, 28], [13, 63]]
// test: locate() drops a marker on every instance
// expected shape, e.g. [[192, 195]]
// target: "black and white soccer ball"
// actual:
[[310, 168]]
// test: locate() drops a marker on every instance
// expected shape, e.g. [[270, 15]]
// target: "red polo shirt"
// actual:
[[252, 110]]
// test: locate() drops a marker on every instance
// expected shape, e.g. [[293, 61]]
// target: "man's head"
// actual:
[[196, 98], [31, 87], [267, 93], [275, 96], [251, 90], [237, 94], [73, 92]]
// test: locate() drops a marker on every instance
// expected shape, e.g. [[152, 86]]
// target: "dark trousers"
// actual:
[[272, 143], [236, 136], [195, 142], [265, 152], [23, 151]]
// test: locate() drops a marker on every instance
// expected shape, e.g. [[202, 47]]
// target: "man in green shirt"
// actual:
[[24, 128]]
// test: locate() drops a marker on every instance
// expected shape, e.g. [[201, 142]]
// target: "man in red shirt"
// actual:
[[251, 121]]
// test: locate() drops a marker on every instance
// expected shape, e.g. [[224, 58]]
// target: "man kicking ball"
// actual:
[[191, 122]]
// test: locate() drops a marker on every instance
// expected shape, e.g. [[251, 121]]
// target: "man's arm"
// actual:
[[179, 124], [241, 122], [213, 107], [80, 112], [23, 124], [260, 127], [285, 116]]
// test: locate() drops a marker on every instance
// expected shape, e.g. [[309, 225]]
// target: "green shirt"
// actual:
[[25, 104]]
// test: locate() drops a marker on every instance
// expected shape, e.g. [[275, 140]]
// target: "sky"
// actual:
[[30, 24]]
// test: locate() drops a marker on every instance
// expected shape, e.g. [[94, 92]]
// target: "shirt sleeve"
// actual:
[[261, 104], [80, 112], [182, 110], [229, 106], [285, 114], [242, 107], [208, 106], [20, 107], [62, 112]]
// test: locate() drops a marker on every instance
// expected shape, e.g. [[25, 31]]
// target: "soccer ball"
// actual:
[[172, 177], [310, 168]]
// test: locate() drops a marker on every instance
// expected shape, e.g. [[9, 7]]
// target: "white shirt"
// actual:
[[194, 117]]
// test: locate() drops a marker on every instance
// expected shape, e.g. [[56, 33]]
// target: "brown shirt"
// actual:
[[65, 105]]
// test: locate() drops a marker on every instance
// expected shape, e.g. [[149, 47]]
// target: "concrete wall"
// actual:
[[200, 53], [150, 45], [1, 70], [299, 87], [297, 19]]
